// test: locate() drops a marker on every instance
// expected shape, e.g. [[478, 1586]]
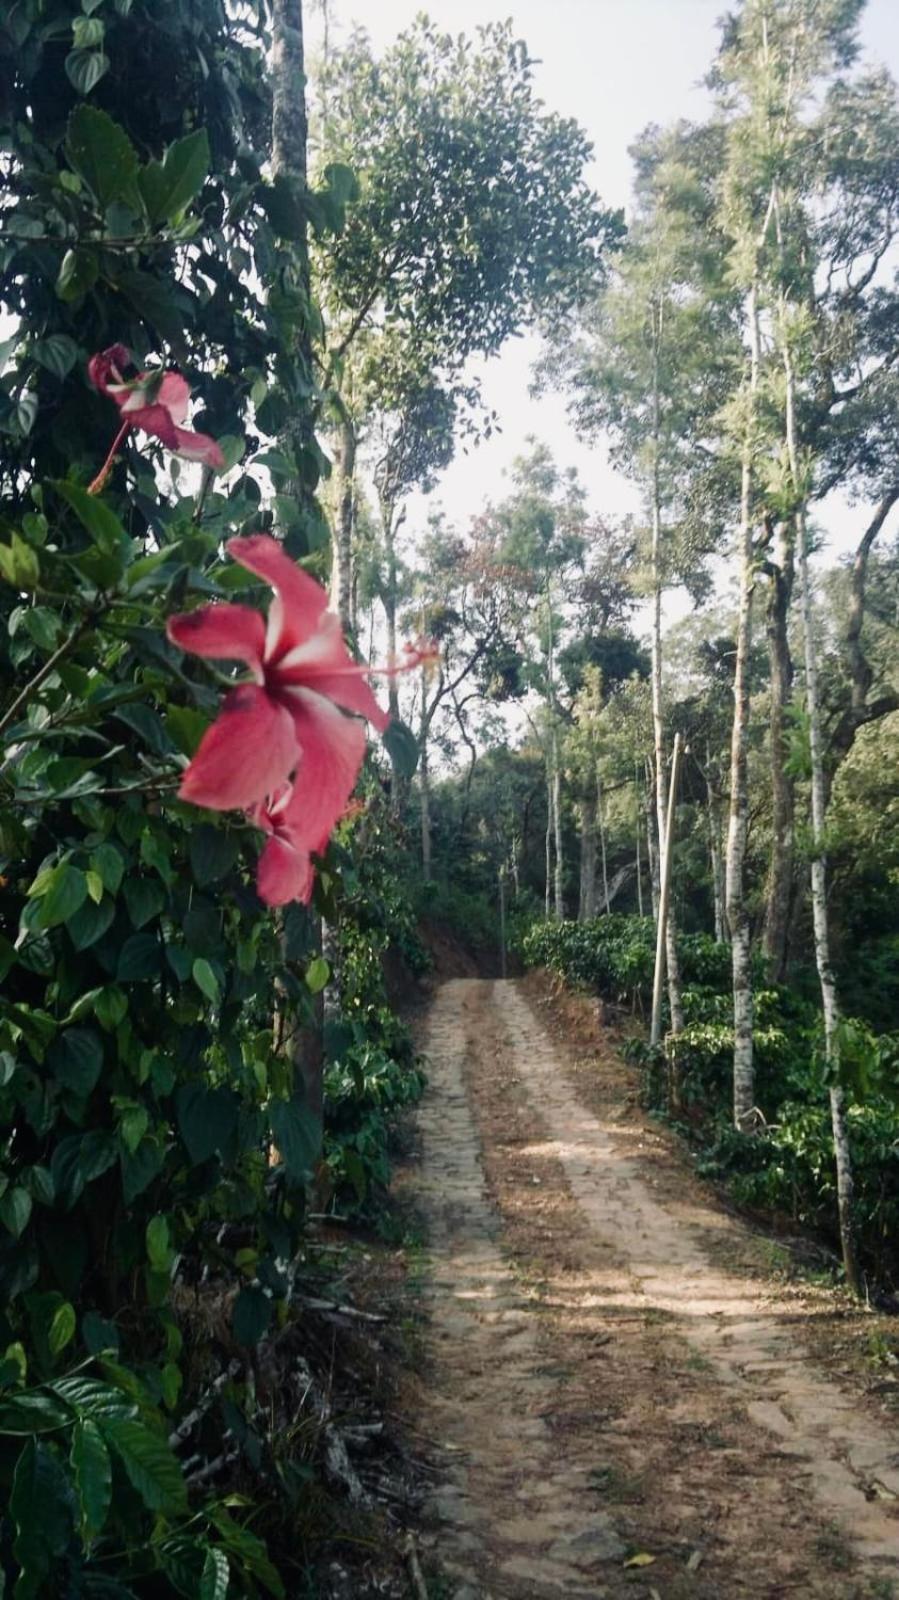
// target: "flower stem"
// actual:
[[100, 480]]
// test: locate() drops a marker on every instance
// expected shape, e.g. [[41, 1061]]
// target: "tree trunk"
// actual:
[[780, 870], [587, 898], [860, 674], [549, 837], [424, 787], [716, 864], [651, 841], [738, 822], [289, 161], [658, 724], [600, 817], [342, 557], [559, 866]]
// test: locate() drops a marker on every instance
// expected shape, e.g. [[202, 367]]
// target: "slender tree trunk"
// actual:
[[651, 840], [600, 818], [424, 787], [738, 824], [820, 920], [639, 871], [717, 872], [559, 865], [289, 161], [516, 886], [342, 557], [587, 899], [665, 890], [549, 836], [780, 870], [658, 724]]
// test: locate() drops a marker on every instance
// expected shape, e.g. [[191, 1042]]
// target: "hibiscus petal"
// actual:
[[324, 664], [331, 750], [299, 600], [174, 394], [284, 873], [156, 420], [221, 632], [247, 753], [107, 366], [198, 447]]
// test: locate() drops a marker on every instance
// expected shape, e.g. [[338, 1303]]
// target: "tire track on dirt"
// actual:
[[644, 1399]]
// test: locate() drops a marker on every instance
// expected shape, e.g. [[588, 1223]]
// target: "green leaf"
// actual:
[[76, 1059], [98, 1333], [297, 1133], [85, 68], [94, 515], [102, 154], [57, 353], [402, 747], [66, 890], [148, 725], [205, 979], [139, 1168], [91, 922], [207, 1119], [15, 1210], [159, 1250], [77, 274], [140, 958], [94, 886], [317, 974], [186, 727], [19, 564], [145, 898], [247, 1550], [38, 1506], [252, 1316], [168, 187], [212, 853], [216, 1573], [152, 1468], [92, 1471], [108, 862], [62, 1328], [42, 625], [110, 1007]]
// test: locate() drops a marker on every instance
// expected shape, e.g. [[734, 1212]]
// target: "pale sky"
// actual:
[[614, 65]]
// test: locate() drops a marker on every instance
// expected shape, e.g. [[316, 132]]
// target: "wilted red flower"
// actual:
[[156, 402]]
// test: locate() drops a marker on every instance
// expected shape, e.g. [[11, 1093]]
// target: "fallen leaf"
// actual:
[[642, 1560]]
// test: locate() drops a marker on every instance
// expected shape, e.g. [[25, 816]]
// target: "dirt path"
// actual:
[[611, 1411]]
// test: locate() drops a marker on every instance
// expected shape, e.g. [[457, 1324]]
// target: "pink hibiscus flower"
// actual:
[[282, 750], [157, 402], [284, 871]]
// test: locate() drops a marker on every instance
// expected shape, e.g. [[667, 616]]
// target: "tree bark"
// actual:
[[587, 898], [559, 865], [289, 160], [424, 786], [780, 869], [342, 550], [549, 836], [658, 725], [651, 841], [860, 710], [738, 822], [601, 821], [716, 865]]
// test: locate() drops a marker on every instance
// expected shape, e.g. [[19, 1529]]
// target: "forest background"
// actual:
[[184, 1066]]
